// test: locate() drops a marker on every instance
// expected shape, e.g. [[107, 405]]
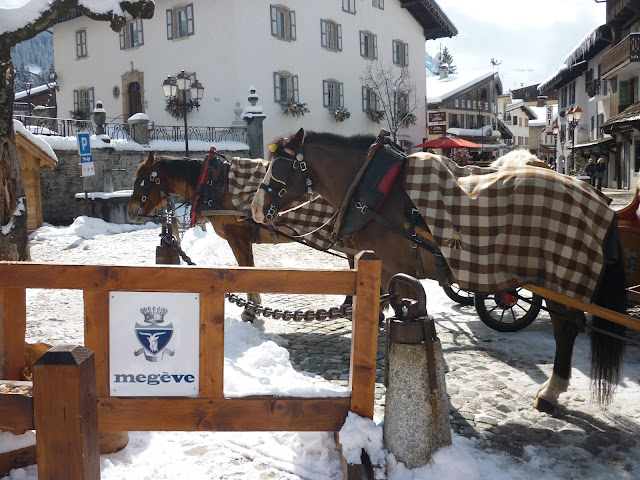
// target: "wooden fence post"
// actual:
[[65, 414], [13, 327]]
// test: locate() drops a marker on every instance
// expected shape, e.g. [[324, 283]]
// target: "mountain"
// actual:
[[34, 56]]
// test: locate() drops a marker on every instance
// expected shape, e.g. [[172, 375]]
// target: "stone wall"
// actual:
[[114, 171]]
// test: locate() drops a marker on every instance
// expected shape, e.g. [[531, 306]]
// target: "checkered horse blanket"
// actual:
[[245, 176], [512, 226]]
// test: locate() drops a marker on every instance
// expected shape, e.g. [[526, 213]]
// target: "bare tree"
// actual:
[[14, 243], [391, 95]]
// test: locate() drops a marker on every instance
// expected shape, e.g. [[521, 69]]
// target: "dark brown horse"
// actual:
[[332, 162], [157, 176]]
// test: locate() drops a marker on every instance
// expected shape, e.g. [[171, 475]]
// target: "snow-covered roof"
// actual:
[[35, 90], [37, 140], [485, 131], [440, 89], [519, 103], [581, 51]]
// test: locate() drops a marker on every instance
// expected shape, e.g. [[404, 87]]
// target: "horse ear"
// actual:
[[151, 159], [297, 139]]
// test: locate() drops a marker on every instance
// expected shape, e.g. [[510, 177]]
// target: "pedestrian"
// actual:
[[590, 170], [601, 166]]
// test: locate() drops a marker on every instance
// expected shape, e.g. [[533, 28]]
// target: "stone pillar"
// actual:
[[139, 124], [254, 117]]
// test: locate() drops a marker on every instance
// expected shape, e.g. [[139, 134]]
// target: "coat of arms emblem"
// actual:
[[153, 334]]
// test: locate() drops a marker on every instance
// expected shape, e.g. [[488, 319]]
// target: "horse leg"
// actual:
[[565, 329]]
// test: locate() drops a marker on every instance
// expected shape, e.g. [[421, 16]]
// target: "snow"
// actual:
[[37, 140], [19, 210], [580, 50], [256, 362], [439, 89]]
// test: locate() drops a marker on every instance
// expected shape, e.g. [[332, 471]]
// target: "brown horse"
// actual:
[[332, 162], [156, 177]]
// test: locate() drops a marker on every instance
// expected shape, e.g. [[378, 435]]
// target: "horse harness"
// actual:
[[379, 170]]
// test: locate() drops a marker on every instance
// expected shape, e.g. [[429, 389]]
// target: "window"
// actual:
[[83, 101], [369, 100], [331, 35], [283, 22], [400, 53], [368, 45], [131, 36], [526, 121], [333, 94], [285, 87], [180, 22], [401, 102], [624, 96], [349, 6], [81, 43], [514, 120], [378, 4]]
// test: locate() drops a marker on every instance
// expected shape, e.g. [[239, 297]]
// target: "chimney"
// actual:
[[444, 71], [542, 101]]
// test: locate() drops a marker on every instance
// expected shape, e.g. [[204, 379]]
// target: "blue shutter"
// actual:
[[190, 29], [362, 39], [394, 47], [325, 93], [341, 90], [364, 98], [294, 80], [375, 46], [339, 37], [292, 17], [140, 35], [406, 54], [323, 33], [123, 43], [76, 101], [274, 21], [169, 24], [276, 87]]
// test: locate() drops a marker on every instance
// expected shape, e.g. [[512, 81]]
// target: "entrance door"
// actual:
[[135, 98]]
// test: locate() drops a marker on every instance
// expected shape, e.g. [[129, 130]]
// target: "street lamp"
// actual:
[[555, 142], [175, 91], [28, 86], [573, 118]]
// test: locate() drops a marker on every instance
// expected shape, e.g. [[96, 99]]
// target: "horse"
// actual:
[[332, 162], [157, 177]]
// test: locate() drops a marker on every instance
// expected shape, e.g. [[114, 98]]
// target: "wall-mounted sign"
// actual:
[[437, 129], [154, 344], [86, 160], [437, 117]]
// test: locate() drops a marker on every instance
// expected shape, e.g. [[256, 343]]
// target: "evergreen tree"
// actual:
[[447, 59]]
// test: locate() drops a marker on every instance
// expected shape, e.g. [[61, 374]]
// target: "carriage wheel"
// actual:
[[458, 295], [509, 311]]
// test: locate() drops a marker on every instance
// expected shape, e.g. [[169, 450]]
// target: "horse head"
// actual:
[[147, 190], [286, 179]]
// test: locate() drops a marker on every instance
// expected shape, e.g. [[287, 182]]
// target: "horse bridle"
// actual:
[[145, 187], [283, 166]]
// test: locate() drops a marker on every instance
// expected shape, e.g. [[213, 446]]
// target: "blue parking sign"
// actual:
[[84, 145]]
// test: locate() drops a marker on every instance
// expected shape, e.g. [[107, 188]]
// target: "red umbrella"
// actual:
[[448, 142]]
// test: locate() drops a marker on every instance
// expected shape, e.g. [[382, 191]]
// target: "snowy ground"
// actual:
[[55, 316]]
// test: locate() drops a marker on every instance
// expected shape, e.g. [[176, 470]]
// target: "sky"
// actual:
[[530, 40]]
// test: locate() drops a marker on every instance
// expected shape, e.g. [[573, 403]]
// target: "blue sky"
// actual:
[[530, 39]]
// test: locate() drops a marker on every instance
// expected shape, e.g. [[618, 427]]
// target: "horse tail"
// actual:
[[607, 351]]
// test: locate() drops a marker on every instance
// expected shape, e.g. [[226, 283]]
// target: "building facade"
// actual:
[[305, 60]]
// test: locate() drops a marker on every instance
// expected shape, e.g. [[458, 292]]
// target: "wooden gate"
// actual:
[[210, 411]]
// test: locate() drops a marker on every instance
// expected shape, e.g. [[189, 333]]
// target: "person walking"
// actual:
[[601, 166], [590, 170]]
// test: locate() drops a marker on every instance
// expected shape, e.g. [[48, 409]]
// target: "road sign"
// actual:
[[84, 145], [86, 159]]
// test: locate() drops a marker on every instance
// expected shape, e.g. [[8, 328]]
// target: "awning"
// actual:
[[605, 139]]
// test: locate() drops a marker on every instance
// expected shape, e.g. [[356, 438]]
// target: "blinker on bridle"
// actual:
[[145, 187], [294, 161]]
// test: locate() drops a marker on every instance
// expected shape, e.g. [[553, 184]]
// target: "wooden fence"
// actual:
[[210, 411]]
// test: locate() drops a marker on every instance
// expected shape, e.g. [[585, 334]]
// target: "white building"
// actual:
[[312, 52], [518, 116]]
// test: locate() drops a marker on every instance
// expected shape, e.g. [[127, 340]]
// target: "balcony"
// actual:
[[625, 52]]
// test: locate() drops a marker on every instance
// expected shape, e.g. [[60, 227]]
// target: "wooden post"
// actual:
[[65, 414], [13, 326], [364, 336]]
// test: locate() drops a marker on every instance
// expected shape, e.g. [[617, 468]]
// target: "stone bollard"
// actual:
[[139, 128], [416, 419]]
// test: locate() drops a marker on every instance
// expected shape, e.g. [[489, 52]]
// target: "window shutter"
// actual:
[[362, 50], [381, 4], [190, 29], [169, 24], [76, 101], [394, 47], [91, 105], [323, 34], [276, 87], [375, 46], [274, 21], [123, 45], [325, 92], [339, 37], [140, 35], [341, 90], [364, 98], [406, 54], [294, 80], [292, 16]]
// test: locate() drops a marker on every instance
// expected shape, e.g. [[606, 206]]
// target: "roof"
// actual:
[[592, 44], [630, 114], [440, 89], [563, 76], [432, 19], [524, 107]]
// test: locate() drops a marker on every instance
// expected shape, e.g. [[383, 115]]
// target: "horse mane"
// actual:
[[361, 141]]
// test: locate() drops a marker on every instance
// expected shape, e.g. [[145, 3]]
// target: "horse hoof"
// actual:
[[543, 405], [248, 316]]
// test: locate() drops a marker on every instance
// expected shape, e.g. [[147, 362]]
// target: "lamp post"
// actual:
[[175, 91], [555, 142], [28, 86], [573, 118]]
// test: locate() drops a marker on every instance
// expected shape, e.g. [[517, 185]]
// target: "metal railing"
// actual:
[[67, 127]]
